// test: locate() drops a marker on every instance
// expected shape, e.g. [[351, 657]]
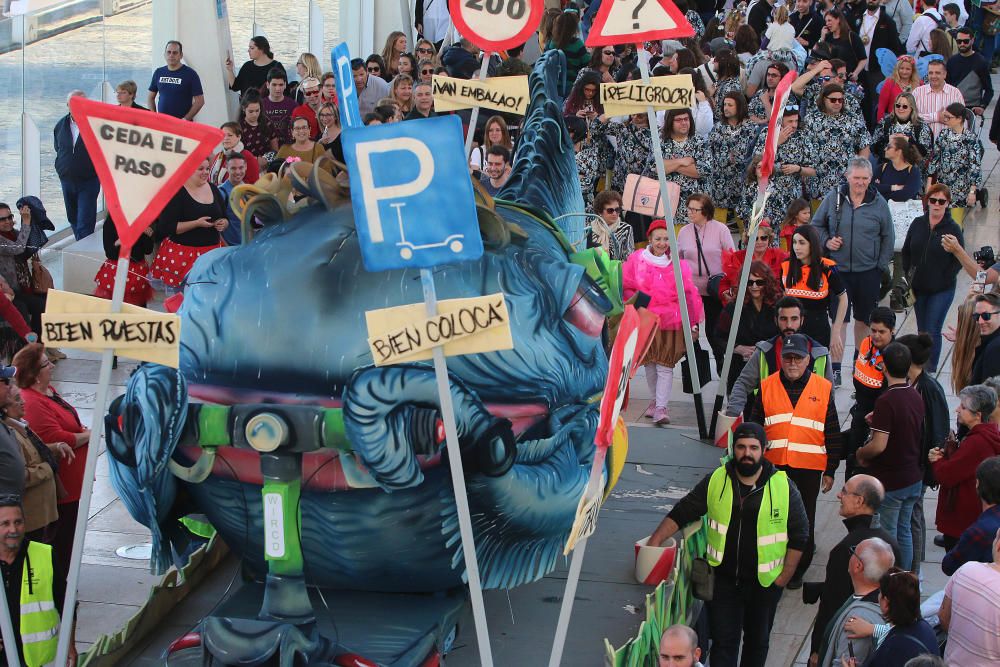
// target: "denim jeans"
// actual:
[[895, 513], [80, 198], [932, 309]]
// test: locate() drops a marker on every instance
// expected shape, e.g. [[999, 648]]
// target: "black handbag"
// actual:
[[704, 369]]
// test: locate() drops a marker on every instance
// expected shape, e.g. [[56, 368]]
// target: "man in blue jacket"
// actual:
[[855, 227], [77, 177]]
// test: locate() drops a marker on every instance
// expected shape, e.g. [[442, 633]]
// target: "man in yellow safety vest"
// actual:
[[757, 529], [33, 588]]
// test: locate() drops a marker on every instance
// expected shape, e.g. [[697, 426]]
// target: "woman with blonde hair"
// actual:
[[965, 336], [395, 46], [306, 66], [904, 79], [402, 93], [425, 51]]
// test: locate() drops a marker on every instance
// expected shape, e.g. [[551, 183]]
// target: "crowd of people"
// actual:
[[885, 111]]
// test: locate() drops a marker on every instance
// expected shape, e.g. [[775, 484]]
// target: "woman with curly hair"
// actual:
[[757, 319], [904, 79], [584, 100]]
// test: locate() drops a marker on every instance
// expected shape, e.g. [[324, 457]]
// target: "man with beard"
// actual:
[[802, 425], [759, 106], [746, 494], [970, 73], [766, 359]]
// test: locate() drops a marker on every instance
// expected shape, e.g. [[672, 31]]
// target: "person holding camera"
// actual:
[[931, 265]]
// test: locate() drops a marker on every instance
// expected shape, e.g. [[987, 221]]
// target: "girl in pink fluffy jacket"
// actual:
[[649, 271]]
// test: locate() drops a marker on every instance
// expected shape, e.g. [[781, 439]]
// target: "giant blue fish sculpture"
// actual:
[[274, 340]]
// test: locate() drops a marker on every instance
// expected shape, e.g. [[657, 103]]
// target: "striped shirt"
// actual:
[[973, 639], [931, 103]]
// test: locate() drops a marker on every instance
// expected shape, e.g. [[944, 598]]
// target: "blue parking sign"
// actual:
[[347, 94], [412, 195]]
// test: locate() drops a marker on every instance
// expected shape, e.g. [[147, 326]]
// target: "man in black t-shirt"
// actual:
[[892, 453]]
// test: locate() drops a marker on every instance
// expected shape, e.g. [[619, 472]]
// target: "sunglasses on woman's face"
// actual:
[[374, 70], [612, 209], [424, 49], [427, 71], [756, 283], [902, 106], [937, 200]]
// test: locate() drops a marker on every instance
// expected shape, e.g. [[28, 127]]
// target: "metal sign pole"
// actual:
[[755, 218], [96, 430], [474, 118], [458, 481], [668, 216]]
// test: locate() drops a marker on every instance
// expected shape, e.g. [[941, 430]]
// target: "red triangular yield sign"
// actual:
[[142, 159], [634, 21]]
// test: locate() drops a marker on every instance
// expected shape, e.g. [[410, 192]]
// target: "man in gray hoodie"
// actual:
[[855, 227]]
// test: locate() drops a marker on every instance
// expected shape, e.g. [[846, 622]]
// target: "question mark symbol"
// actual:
[[635, 14]]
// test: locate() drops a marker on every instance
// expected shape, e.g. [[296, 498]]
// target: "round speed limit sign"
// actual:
[[497, 25]]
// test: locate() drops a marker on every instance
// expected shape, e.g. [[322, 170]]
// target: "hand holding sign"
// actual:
[[496, 25]]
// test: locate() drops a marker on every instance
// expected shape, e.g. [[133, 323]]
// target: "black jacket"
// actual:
[[759, 17], [885, 35], [837, 586], [740, 557], [936, 420], [936, 268], [986, 363], [807, 27], [73, 163]]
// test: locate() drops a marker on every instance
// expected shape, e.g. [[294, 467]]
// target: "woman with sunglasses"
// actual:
[[603, 61], [932, 268], [957, 159], [904, 79], [837, 136], [425, 51], [54, 420], [764, 250], [608, 231], [375, 66], [685, 158], [904, 120], [757, 319], [811, 278]]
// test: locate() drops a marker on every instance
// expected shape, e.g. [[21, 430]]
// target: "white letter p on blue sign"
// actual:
[[412, 195]]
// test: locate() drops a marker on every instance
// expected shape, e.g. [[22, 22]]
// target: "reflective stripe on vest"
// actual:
[[801, 289], [796, 435], [866, 366], [39, 617], [816, 365], [772, 523]]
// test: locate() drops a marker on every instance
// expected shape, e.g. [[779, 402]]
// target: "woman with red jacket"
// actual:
[[958, 501], [54, 420], [732, 261]]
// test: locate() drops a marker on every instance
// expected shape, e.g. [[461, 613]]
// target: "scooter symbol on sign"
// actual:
[[453, 242]]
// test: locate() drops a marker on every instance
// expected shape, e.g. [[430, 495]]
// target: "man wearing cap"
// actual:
[[766, 358], [745, 495], [34, 588], [800, 418], [11, 459]]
